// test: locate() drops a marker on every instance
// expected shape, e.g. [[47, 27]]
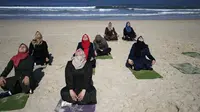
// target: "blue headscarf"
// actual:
[[128, 28]]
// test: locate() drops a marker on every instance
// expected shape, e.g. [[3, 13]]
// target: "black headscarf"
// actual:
[[139, 46]]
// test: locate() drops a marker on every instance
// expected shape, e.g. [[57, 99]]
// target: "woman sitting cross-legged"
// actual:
[[140, 57], [110, 33], [88, 49], [129, 33], [39, 50], [23, 65], [101, 46], [79, 85]]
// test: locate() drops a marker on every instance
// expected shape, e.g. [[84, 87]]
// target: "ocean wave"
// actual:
[[36, 8], [144, 9], [98, 15], [88, 8], [31, 8], [77, 15], [183, 13]]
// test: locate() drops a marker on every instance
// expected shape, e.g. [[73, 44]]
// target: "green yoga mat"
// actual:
[[14, 102], [192, 54], [187, 68], [146, 74], [104, 57]]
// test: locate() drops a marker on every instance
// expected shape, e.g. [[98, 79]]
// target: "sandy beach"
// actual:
[[117, 89]]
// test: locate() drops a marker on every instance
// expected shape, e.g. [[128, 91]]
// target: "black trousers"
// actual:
[[89, 98], [113, 37], [15, 85], [104, 52], [129, 38], [39, 60]]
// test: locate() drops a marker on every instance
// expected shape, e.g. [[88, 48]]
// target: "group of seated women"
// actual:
[[23, 63], [79, 87], [128, 33]]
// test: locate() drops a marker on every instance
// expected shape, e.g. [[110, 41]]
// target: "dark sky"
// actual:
[[101, 2]]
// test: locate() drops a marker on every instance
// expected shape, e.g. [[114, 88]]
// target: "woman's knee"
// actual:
[[65, 94]]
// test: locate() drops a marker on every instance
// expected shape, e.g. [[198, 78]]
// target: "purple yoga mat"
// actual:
[[74, 108]]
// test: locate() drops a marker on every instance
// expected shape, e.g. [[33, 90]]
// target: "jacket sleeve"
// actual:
[[79, 46], [125, 33], [149, 54], [133, 32], [31, 48], [29, 67], [92, 50], [105, 43], [106, 31], [7, 69], [68, 76], [114, 31], [87, 76], [46, 50], [96, 46], [131, 54]]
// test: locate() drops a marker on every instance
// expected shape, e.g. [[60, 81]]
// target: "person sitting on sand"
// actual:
[[110, 33], [88, 49], [78, 77], [101, 46], [140, 57], [38, 48], [23, 64], [129, 33]]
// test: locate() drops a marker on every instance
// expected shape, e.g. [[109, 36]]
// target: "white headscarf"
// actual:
[[79, 60]]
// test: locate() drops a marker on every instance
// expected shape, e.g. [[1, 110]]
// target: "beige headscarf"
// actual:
[[110, 26], [38, 39], [79, 60]]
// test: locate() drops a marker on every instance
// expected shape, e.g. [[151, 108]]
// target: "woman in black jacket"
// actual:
[[88, 49], [38, 48], [110, 33], [79, 85], [23, 65], [129, 33], [140, 57]]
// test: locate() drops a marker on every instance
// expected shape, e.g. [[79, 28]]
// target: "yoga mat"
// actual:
[[74, 108], [104, 57], [146, 74], [187, 68], [13, 102], [192, 54]]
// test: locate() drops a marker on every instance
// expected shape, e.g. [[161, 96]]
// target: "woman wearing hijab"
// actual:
[[88, 49], [39, 50], [110, 33], [140, 57], [101, 46], [129, 33], [79, 85], [23, 65]]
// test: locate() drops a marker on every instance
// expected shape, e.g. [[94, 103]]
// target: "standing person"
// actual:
[[110, 33], [38, 48], [88, 49], [129, 33], [101, 46], [23, 65], [140, 57], [79, 85]]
